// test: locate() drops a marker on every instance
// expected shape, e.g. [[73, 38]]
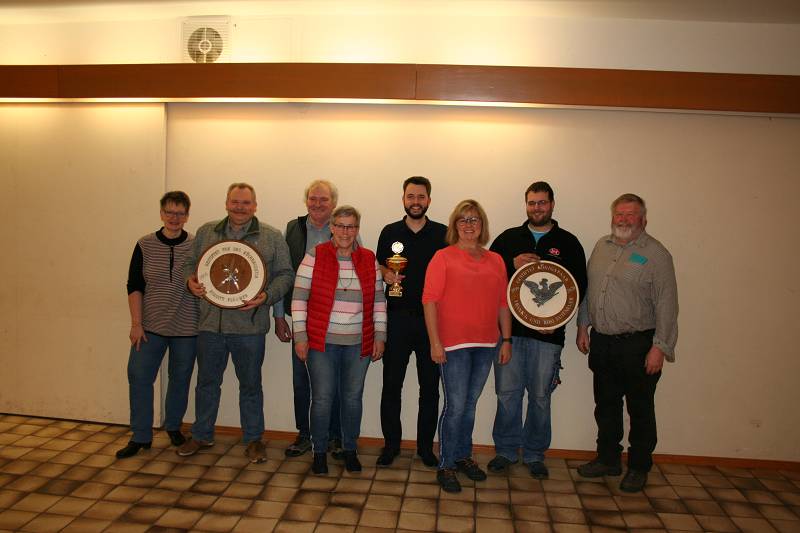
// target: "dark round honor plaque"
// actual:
[[543, 295], [232, 272]]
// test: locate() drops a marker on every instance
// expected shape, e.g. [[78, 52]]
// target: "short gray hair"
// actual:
[[346, 211], [325, 183], [241, 185], [630, 198]]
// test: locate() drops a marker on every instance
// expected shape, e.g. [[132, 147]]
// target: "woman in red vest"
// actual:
[[339, 320], [466, 314]]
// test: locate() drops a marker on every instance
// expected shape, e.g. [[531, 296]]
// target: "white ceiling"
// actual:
[[753, 11]]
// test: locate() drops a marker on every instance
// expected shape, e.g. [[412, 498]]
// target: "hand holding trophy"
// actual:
[[396, 264]]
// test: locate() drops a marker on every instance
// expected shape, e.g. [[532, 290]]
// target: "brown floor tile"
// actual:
[[662, 505], [312, 497], [642, 520], [777, 512], [391, 488], [39, 455], [417, 522], [521, 526], [786, 526], [27, 483], [92, 490], [378, 518], [493, 510], [179, 518], [225, 505], [789, 498], [348, 499], [455, 524], [312, 482], [704, 507], [46, 523], [494, 525], [289, 526], [599, 503], [243, 490], [253, 476], [661, 491], [681, 522], [740, 509], [110, 476], [418, 505], [176, 483], [519, 497], [567, 515], [249, 524], [264, 509], [217, 522], [210, 487], [746, 483], [716, 523], [605, 518], [125, 494], [335, 514], [86, 525], [60, 487], [9, 497], [753, 525], [19, 467], [727, 495], [417, 490], [692, 493], [563, 500], [146, 514], [591, 489], [36, 503], [492, 495], [532, 513], [524, 483], [633, 503], [104, 510], [11, 519]]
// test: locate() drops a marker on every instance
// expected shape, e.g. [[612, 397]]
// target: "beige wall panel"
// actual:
[[720, 191], [79, 184]]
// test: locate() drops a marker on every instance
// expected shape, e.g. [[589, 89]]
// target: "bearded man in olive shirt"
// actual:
[[632, 308]]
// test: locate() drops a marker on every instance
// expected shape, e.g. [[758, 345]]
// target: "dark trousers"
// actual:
[[617, 363], [406, 333]]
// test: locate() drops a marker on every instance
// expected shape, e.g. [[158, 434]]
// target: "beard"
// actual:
[[625, 233], [416, 216], [544, 220]]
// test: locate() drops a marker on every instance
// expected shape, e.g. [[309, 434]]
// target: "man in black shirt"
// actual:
[[420, 239], [536, 355]]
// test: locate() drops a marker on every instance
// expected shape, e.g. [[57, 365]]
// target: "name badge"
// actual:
[[636, 258]]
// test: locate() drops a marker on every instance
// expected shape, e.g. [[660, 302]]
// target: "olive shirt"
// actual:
[[632, 288]]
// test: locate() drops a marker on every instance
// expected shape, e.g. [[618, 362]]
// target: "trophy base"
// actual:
[[396, 291]]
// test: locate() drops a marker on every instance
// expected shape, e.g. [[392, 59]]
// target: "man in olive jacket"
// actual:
[[241, 331]]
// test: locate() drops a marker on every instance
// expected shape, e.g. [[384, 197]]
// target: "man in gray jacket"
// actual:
[[241, 331]]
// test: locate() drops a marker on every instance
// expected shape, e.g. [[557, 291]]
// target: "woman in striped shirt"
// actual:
[[339, 320]]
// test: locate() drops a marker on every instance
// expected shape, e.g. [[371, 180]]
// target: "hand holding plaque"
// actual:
[[396, 264]]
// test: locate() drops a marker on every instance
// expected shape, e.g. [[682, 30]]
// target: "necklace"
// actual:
[[348, 279]]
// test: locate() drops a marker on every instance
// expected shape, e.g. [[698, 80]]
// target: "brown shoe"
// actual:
[[256, 452], [192, 446]]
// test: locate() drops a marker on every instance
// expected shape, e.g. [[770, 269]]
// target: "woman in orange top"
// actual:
[[465, 313]]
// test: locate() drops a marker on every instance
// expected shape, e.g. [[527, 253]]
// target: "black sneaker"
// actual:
[[320, 464], [500, 464], [634, 481], [429, 458], [538, 470], [176, 437], [447, 480], [132, 448], [471, 469], [351, 462], [386, 458], [301, 445], [597, 469]]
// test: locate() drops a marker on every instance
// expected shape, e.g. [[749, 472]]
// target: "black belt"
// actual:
[[620, 336]]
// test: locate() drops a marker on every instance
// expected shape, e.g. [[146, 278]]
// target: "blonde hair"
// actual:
[[463, 207]]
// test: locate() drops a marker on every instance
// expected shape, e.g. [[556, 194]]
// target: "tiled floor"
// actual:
[[57, 475]]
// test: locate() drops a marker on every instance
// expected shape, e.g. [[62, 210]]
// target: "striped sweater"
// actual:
[[346, 319], [156, 270]]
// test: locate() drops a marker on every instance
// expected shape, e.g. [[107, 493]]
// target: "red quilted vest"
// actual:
[[323, 290]]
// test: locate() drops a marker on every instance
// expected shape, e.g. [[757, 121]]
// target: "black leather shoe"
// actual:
[[500, 464], [386, 458], [597, 469], [351, 462], [634, 481], [538, 470], [320, 464], [428, 458], [176, 437], [132, 449]]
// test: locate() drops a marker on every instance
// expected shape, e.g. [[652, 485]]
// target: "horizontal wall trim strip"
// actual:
[[614, 88]]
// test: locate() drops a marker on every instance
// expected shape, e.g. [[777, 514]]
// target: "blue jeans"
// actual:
[[339, 368], [463, 377], [247, 352], [534, 367], [301, 385], [142, 371]]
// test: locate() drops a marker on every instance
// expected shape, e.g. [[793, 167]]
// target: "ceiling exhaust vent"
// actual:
[[206, 39]]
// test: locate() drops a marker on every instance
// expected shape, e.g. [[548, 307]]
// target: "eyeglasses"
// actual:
[[468, 221], [345, 227], [174, 214], [539, 203]]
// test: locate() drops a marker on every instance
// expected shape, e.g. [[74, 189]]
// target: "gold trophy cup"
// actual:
[[396, 264]]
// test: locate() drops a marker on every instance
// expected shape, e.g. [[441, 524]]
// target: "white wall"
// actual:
[[78, 185], [720, 192]]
